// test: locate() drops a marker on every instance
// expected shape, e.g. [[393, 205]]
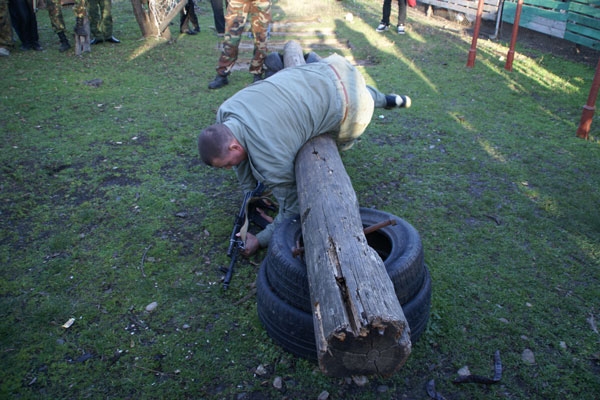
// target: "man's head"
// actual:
[[219, 148]]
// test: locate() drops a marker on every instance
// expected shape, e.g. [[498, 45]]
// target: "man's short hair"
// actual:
[[213, 143]]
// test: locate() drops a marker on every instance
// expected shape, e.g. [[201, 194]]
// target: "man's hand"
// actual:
[[264, 215], [251, 245]]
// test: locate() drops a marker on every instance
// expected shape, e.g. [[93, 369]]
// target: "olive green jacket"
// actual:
[[272, 119]]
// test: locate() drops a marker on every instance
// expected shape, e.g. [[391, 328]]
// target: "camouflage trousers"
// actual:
[[101, 22], [5, 28], [80, 8], [56, 15], [238, 12]]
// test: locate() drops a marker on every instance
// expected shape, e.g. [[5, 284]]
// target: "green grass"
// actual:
[[105, 208]]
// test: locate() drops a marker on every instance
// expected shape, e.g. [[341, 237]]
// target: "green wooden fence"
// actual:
[[575, 20]]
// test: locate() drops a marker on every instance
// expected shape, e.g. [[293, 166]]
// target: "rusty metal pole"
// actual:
[[473, 49], [588, 110], [513, 40]]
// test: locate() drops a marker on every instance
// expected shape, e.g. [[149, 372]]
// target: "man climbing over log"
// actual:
[[261, 128]]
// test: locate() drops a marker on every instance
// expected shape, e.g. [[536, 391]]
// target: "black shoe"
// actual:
[[257, 78], [37, 47], [190, 32], [64, 46], [26, 47], [218, 82], [64, 42], [96, 41], [113, 39]]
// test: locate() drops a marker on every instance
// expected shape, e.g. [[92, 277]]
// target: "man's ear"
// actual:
[[235, 146]]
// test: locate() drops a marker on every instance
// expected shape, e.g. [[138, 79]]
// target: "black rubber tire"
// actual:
[[289, 327], [399, 246], [293, 330]]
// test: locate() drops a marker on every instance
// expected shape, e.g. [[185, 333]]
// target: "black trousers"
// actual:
[[24, 22], [188, 15], [219, 15]]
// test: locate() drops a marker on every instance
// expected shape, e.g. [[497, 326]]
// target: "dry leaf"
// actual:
[[68, 324]]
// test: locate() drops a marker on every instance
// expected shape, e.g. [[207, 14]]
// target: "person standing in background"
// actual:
[[101, 22], [219, 15], [5, 29], [235, 21], [58, 23], [22, 17], [188, 15], [384, 25]]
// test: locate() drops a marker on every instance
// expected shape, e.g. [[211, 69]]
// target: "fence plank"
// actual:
[[467, 7], [583, 23], [537, 19]]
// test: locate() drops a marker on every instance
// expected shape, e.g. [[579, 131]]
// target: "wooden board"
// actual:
[[468, 7]]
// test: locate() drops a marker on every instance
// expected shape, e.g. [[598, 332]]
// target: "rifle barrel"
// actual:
[[236, 244], [229, 273]]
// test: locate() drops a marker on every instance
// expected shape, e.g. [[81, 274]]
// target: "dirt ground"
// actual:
[[549, 44]]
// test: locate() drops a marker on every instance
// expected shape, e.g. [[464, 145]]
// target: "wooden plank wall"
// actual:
[[467, 7], [576, 20], [545, 16], [583, 23]]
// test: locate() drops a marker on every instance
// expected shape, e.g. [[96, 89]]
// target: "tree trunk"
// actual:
[[145, 19], [360, 327]]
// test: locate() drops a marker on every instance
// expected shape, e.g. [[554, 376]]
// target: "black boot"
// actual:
[[64, 42], [218, 82], [79, 28]]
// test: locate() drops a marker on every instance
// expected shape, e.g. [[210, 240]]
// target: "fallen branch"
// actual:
[[483, 379], [143, 258], [246, 297], [153, 371]]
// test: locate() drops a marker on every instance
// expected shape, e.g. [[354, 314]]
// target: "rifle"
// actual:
[[237, 243]]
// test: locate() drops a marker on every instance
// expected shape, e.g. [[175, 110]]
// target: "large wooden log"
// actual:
[[360, 327], [292, 54]]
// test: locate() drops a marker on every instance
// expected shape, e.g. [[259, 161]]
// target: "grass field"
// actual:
[[106, 208]]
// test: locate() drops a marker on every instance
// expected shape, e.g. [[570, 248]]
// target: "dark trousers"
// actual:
[[387, 9], [24, 22], [218, 14], [188, 15]]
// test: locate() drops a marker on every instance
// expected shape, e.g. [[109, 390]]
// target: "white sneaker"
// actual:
[[382, 27], [4, 52], [401, 30]]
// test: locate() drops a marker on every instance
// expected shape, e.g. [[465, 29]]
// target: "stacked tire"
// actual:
[[283, 296]]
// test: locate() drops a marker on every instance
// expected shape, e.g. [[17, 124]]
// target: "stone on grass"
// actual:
[[360, 380], [528, 357], [563, 345], [324, 395], [260, 370]]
